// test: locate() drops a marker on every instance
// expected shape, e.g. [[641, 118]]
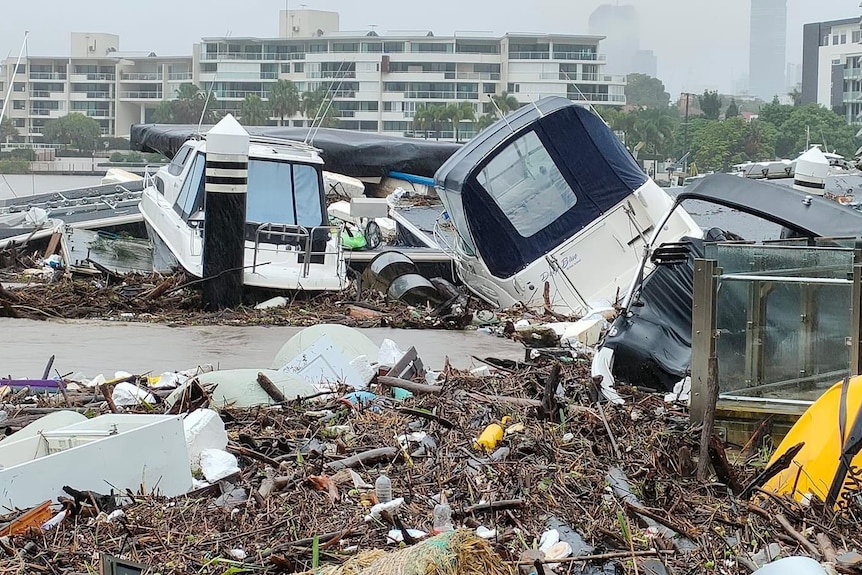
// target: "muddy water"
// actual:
[[93, 347]]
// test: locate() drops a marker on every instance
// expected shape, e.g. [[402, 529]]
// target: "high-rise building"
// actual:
[[768, 49], [620, 24], [832, 66]]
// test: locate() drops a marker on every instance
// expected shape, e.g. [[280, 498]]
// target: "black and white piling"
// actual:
[[224, 214]]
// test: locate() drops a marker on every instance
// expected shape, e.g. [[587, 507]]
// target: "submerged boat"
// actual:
[[289, 243], [551, 210]]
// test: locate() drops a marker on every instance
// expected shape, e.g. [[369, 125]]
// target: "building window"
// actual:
[[835, 39], [19, 87], [393, 47], [285, 68], [513, 88], [844, 37], [387, 106], [372, 47], [209, 68], [489, 88], [318, 47], [21, 69], [299, 67], [431, 47], [857, 36], [18, 104], [345, 47]]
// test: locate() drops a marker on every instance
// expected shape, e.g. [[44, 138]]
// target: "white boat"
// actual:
[[549, 205], [289, 245]]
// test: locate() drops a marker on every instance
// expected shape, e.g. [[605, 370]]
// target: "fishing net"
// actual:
[[452, 553]]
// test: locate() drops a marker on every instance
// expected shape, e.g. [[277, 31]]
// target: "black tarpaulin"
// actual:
[[357, 154], [588, 156]]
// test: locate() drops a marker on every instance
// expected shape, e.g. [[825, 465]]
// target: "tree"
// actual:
[[506, 103], [192, 106], [796, 94], [798, 126], [81, 131], [163, 114], [253, 111], [8, 131], [318, 109], [710, 103], [430, 117], [284, 100], [655, 127], [646, 91], [732, 109], [719, 145], [460, 112], [484, 121]]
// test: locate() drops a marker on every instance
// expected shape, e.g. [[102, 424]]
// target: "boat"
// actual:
[[289, 242], [551, 210]]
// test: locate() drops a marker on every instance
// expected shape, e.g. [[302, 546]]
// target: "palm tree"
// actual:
[[318, 110], [431, 117], [506, 102], [284, 100], [655, 127], [460, 112], [484, 121], [192, 105], [253, 111], [422, 119]]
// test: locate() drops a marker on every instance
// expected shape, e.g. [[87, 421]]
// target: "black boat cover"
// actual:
[[356, 154], [805, 214], [558, 168]]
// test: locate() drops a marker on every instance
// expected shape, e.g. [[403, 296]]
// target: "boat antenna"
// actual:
[[500, 112], [328, 98], [533, 102], [9, 90], [209, 93]]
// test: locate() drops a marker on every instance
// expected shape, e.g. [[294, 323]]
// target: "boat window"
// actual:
[[175, 168], [192, 188], [526, 184], [270, 200]]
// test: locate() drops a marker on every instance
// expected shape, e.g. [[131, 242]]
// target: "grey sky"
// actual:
[[699, 43]]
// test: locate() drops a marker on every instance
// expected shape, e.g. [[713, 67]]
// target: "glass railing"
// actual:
[[40, 94], [529, 55], [276, 56], [592, 97], [585, 56], [241, 94], [98, 113], [179, 76], [851, 97], [852, 73], [434, 95], [100, 77], [99, 95], [330, 74], [141, 95], [141, 76], [47, 76]]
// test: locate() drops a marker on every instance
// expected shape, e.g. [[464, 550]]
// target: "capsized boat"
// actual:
[[551, 210], [289, 243]]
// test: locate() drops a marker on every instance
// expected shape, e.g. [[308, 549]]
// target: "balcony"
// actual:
[[98, 95], [141, 95], [592, 97], [853, 73], [529, 55], [40, 94], [490, 76], [141, 77], [47, 76], [179, 76], [97, 113], [256, 56], [330, 74], [604, 78], [441, 95], [850, 97], [580, 56], [240, 94]]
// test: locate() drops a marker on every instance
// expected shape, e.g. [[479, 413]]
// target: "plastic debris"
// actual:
[[217, 464]]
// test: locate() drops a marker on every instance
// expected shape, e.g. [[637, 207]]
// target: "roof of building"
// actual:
[[831, 23], [409, 34]]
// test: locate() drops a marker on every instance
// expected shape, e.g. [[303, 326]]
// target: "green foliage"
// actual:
[[131, 157], [430, 117], [14, 166], [284, 100], [484, 121], [78, 130], [189, 107], [108, 143], [506, 102], [732, 109], [316, 107], [654, 127], [710, 103], [19, 154], [8, 131], [718, 145], [646, 91], [460, 112], [253, 111], [795, 123], [164, 113]]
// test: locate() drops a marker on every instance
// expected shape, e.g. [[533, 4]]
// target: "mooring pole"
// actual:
[[224, 214]]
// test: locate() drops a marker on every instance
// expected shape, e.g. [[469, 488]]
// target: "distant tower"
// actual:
[[767, 58], [622, 27]]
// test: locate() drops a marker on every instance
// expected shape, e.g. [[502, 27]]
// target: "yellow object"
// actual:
[[491, 436], [817, 466]]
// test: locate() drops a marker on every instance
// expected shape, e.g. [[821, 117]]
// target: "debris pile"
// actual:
[[511, 468]]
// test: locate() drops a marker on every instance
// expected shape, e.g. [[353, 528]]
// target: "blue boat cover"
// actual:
[[558, 168]]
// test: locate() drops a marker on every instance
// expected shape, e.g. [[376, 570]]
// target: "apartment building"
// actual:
[[376, 82], [97, 79], [832, 66]]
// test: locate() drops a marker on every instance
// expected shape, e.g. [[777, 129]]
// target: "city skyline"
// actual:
[[691, 57]]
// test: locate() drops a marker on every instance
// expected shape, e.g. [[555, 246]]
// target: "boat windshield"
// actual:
[[270, 200]]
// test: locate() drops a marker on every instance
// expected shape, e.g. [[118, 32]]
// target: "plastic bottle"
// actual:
[[491, 436], [383, 489], [442, 516]]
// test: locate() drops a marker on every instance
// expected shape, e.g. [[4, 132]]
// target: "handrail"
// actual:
[[301, 233]]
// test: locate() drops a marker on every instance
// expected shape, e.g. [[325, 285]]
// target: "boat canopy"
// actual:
[[357, 154], [805, 214], [533, 180]]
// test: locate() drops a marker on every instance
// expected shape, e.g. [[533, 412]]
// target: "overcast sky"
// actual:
[[699, 43]]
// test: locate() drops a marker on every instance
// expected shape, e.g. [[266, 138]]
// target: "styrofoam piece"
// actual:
[[340, 210], [586, 331], [278, 301], [49, 422], [114, 451], [390, 353], [602, 365], [203, 429], [239, 387], [324, 365], [792, 565], [353, 343], [126, 394], [217, 464]]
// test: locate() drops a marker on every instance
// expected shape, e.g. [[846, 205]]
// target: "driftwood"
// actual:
[[269, 387], [708, 419], [364, 457], [387, 381]]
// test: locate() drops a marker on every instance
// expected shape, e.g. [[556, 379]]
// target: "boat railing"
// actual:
[[305, 235]]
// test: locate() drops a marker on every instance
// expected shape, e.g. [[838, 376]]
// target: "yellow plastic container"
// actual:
[[491, 436]]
